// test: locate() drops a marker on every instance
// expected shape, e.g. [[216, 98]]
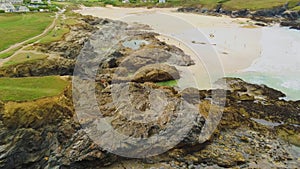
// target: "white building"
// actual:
[[7, 7], [22, 9], [36, 1], [162, 1], [125, 1], [12, 1]]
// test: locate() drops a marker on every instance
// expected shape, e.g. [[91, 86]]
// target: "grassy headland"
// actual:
[[209, 4], [24, 57], [15, 28], [30, 88]]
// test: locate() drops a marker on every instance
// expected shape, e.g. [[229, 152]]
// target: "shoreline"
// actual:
[[186, 25], [235, 47], [264, 17]]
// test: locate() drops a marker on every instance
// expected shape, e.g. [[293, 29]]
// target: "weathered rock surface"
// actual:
[[44, 133], [257, 129], [46, 67], [156, 73], [279, 14]]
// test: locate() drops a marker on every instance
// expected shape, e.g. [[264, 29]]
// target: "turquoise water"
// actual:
[[135, 44], [288, 84], [279, 63]]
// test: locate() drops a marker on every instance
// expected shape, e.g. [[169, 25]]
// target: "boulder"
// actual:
[[156, 73]]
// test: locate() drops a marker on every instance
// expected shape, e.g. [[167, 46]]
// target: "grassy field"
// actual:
[[257, 4], [16, 28], [30, 88], [56, 34], [228, 4], [297, 8], [24, 57], [9, 53]]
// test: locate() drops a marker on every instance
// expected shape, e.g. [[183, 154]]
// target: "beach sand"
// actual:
[[218, 45], [236, 45], [221, 46]]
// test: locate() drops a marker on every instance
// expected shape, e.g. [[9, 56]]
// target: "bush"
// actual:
[[2, 11], [110, 2]]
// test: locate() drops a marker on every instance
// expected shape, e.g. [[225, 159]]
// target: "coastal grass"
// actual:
[[30, 88], [24, 57], [58, 32], [170, 83], [257, 4], [9, 53], [16, 27], [297, 8], [209, 4]]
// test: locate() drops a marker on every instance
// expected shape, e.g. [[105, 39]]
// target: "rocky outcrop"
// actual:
[[72, 43], [45, 67], [44, 133], [156, 73], [257, 128], [291, 24], [279, 14]]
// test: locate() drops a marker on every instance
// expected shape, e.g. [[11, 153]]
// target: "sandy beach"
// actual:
[[221, 46], [231, 42], [215, 43]]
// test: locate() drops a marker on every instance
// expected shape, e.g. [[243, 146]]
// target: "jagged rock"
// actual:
[[45, 67], [246, 97], [45, 133], [156, 73], [291, 15], [155, 55], [240, 13], [275, 14], [277, 11], [291, 24]]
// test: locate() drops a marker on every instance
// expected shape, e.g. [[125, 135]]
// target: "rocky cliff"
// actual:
[[280, 14], [257, 129]]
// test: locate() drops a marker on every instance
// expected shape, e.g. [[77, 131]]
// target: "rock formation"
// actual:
[[279, 14], [257, 128]]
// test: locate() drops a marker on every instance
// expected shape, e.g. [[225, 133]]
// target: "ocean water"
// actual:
[[287, 84], [279, 63], [269, 55]]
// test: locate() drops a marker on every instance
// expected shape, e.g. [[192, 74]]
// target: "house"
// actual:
[[12, 1], [7, 7], [36, 1], [125, 1], [22, 9], [33, 6], [162, 1]]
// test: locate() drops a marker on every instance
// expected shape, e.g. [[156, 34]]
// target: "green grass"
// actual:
[[210, 4], [256, 4], [9, 53], [56, 34], [24, 57], [171, 83], [16, 28], [297, 8], [30, 88]]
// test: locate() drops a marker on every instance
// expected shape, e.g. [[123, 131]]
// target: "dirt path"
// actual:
[[22, 50], [24, 42]]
